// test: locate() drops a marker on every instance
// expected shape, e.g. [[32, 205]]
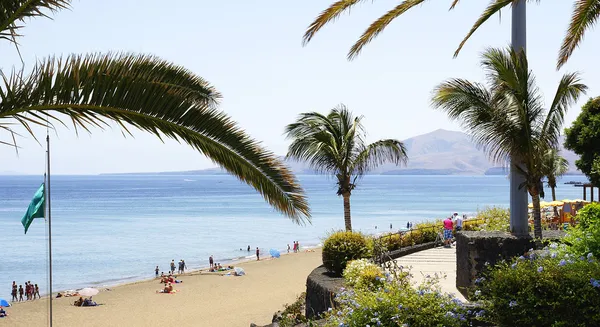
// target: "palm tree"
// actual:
[[335, 144], [142, 91], [508, 118], [584, 16], [555, 166]]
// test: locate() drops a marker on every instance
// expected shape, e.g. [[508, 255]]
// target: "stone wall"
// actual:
[[475, 249], [321, 288]]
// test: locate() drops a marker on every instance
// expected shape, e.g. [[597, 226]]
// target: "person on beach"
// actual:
[[448, 226], [248, 248], [20, 293], [297, 246], [288, 248], [257, 254], [211, 262], [172, 266], [36, 292], [156, 270], [390, 226], [179, 267], [183, 266], [3, 313], [14, 291]]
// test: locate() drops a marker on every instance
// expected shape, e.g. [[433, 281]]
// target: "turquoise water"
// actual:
[[111, 229]]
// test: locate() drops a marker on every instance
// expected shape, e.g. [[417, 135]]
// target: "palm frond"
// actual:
[[454, 3], [378, 153], [585, 14], [480, 114], [508, 119], [316, 139], [334, 144], [380, 24], [154, 96], [554, 166], [327, 16], [568, 92], [14, 12], [494, 7]]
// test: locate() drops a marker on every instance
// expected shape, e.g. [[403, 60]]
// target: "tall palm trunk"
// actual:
[[537, 214], [347, 220]]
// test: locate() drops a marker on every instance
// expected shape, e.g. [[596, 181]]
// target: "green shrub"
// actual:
[[363, 274], [397, 303], [585, 236], [547, 288], [342, 247]]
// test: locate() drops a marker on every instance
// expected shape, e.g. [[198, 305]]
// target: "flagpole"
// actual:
[[48, 203]]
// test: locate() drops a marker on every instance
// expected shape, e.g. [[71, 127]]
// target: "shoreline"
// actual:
[[203, 299], [189, 272]]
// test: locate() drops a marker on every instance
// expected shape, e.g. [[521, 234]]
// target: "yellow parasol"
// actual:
[[543, 204]]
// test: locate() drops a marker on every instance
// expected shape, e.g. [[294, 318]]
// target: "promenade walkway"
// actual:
[[438, 260]]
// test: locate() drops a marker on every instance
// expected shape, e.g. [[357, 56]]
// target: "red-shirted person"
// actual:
[[448, 226]]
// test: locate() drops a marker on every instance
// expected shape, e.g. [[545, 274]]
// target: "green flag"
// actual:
[[36, 208]]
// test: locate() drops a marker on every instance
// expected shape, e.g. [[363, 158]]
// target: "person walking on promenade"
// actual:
[[459, 222], [448, 226]]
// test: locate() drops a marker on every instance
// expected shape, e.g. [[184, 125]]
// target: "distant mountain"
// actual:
[[444, 152], [440, 152]]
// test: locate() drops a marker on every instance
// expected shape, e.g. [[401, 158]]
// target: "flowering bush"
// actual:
[[585, 237], [341, 247], [397, 303], [363, 274], [545, 288], [491, 219]]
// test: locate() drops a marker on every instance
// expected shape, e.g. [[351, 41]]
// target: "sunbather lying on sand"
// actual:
[[168, 289], [89, 303]]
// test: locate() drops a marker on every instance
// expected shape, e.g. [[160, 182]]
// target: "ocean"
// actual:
[[110, 229]]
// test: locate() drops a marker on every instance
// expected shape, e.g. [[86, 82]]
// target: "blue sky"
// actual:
[[251, 52]]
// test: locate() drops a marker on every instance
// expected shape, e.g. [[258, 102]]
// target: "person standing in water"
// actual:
[[14, 291], [257, 254], [248, 248], [21, 293], [37, 292]]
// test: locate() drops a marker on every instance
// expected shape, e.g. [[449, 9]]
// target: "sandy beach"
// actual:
[[203, 299]]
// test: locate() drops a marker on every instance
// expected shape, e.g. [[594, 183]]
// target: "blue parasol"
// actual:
[[4, 303], [274, 253]]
